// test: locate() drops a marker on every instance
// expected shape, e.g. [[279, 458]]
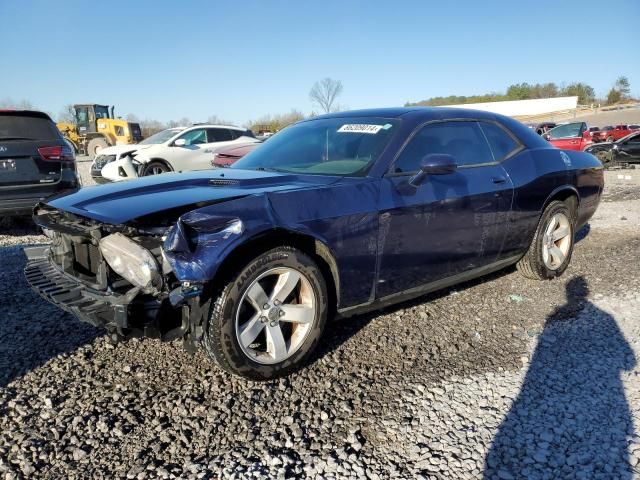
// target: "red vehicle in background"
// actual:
[[611, 134], [570, 136], [226, 157]]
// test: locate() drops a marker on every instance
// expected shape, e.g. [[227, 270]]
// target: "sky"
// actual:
[[167, 60]]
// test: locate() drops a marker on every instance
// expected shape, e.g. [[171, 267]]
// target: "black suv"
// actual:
[[35, 161]]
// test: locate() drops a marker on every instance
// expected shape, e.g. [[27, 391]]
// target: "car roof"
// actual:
[[423, 113], [25, 113], [212, 125]]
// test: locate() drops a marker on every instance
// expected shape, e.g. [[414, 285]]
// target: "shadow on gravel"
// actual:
[[340, 330], [32, 331], [571, 418], [18, 226], [583, 233]]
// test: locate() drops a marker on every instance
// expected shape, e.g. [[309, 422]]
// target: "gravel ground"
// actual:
[[499, 378]]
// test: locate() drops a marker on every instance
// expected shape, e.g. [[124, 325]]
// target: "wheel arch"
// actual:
[[277, 237], [565, 193], [159, 160]]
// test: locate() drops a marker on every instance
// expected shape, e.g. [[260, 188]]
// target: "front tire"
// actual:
[[156, 168], [269, 316], [550, 251]]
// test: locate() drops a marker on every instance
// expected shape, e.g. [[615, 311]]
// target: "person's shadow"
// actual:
[[571, 418]]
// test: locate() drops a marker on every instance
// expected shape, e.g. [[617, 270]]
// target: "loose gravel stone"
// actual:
[[465, 383]]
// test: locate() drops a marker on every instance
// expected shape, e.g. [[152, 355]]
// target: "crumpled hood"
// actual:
[[118, 203]]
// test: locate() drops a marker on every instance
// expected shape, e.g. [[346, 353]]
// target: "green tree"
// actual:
[[519, 91], [614, 96], [584, 92], [623, 86]]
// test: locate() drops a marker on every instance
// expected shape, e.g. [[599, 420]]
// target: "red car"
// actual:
[[570, 136], [228, 156], [611, 134]]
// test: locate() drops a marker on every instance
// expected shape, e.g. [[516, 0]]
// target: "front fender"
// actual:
[[202, 239]]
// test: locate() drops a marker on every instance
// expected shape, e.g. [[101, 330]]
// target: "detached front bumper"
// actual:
[[91, 306], [128, 315]]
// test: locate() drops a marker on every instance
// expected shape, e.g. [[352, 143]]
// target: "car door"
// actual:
[[185, 157], [449, 224], [628, 150], [210, 141], [568, 137]]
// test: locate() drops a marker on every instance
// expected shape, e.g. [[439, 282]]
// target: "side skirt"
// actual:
[[426, 288]]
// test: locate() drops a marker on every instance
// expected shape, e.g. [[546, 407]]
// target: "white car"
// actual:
[[172, 150]]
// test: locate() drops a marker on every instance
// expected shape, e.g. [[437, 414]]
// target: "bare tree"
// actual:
[[324, 93], [67, 114], [8, 102]]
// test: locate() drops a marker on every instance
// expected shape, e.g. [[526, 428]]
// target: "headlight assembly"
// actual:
[[133, 262]]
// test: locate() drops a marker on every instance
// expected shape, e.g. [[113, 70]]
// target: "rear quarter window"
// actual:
[[502, 144], [27, 127]]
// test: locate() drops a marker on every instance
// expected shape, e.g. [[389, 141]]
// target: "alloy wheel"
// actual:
[[275, 315], [556, 242]]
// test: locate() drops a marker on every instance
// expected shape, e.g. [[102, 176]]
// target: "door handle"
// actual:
[[498, 179]]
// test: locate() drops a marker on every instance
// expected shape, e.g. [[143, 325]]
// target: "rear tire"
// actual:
[[95, 145], [610, 139], [254, 333], [550, 251], [156, 168]]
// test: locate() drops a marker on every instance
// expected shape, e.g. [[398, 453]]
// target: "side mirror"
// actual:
[[181, 142], [546, 136], [434, 164]]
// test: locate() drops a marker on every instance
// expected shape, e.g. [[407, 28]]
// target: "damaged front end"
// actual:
[[116, 277]]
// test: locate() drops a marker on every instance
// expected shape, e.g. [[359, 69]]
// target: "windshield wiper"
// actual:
[[16, 138]]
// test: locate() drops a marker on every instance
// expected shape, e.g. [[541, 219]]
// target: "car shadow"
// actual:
[[32, 331], [18, 226], [339, 330], [571, 418], [583, 233]]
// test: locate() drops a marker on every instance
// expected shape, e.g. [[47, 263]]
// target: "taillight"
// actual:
[[57, 154]]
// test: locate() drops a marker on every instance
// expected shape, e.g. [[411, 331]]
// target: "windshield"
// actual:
[[160, 137], [331, 146]]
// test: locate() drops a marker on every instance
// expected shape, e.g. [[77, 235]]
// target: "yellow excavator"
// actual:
[[96, 127]]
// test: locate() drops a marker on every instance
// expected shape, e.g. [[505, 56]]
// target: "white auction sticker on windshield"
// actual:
[[360, 128]]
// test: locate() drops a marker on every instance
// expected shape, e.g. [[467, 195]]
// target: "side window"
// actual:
[[219, 135], [566, 131], [502, 144], [634, 140], [240, 133], [461, 139], [195, 137]]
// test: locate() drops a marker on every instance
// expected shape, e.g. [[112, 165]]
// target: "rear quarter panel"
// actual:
[[539, 174]]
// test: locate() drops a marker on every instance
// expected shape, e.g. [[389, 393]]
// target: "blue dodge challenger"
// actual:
[[335, 215]]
